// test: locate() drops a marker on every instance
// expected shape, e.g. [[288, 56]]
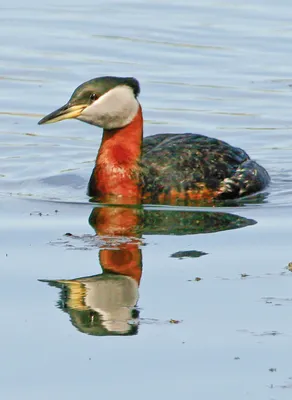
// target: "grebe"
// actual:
[[161, 167]]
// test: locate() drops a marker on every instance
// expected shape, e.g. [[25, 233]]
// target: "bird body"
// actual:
[[198, 167], [162, 167]]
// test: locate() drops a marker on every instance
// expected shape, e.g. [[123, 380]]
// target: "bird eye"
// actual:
[[93, 96]]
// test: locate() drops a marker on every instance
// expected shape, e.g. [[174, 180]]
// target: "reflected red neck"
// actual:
[[122, 257], [127, 261], [116, 169]]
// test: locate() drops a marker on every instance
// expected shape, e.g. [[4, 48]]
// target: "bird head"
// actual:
[[108, 102]]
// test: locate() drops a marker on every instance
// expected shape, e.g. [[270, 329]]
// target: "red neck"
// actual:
[[117, 164]]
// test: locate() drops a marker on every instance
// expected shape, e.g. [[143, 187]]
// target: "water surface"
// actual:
[[204, 308]]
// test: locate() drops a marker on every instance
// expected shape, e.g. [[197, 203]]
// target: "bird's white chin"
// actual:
[[115, 109]]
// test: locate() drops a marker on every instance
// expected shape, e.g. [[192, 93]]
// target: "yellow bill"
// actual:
[[65, 112]]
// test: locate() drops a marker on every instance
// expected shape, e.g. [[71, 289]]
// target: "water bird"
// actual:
[[161, 167]]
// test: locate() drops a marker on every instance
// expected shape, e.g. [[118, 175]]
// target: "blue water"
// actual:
[[210, 321]]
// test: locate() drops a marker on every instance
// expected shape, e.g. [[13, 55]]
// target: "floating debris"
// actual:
[[36, 213], [39, 213], [267, 333], [197, 279], [188, 254]]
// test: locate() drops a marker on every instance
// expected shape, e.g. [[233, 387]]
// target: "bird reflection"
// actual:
[[106, 304]]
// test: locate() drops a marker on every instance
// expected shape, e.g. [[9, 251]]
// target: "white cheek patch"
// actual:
[[115, 109]]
